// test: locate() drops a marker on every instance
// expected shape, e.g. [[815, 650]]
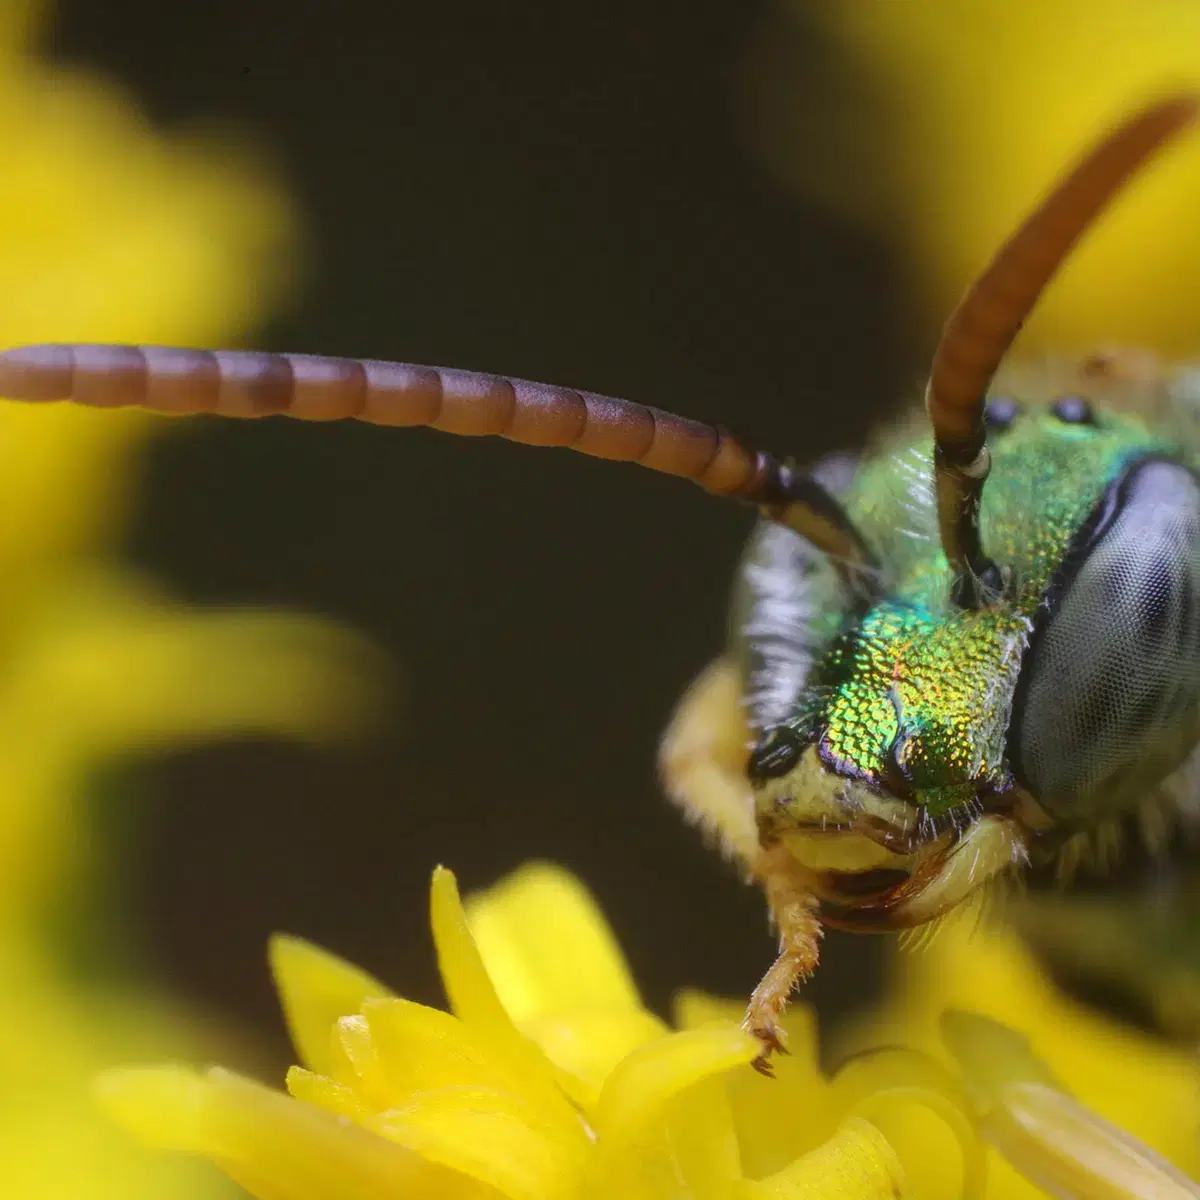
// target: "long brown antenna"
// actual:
[[247, 384], [982, 327]]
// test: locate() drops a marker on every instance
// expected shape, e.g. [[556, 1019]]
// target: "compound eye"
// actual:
[[1109, 690], [777, 752]]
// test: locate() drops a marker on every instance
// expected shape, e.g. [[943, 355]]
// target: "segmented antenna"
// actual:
[[982, 327], [247, 384]]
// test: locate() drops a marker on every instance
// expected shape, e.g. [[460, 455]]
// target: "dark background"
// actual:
[[558, 192]]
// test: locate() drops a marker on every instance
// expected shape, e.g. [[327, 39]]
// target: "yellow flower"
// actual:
[[109, 231], [1136, 1082], [548, 1079], [948, 120]]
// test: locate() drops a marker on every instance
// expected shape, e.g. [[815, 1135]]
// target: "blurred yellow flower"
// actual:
[[108, 230], [1136, 1082], [943, 122], [549, 1080]]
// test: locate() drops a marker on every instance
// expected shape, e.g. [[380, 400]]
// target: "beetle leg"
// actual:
[[795, 911]]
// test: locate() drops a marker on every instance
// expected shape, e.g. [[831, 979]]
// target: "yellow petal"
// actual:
[[776, 1119], [954, 166], [315, 989], [658, 1126], [472, 996], [880, 1084], [1138, 1082], [337, 1098], [587, 1044], [419, 1049], [282, 1148], [546, 945], [991, 1055], [855, 1164], [356, 1062], [491, 1136], [468, 986], [116, 670], [163, 1106], [701, 1144], [693, 1009], [637, 1091], [1046, 1134]]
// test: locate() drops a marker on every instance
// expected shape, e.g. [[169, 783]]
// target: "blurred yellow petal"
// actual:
[[164, 1106], [252, 1131], [66, 486], [1139, 1083], [880, 1084], [912, 138], [694, 1009], [109, 232], [125, 673], [856, 1162], [547, 947], [587, 1044], [992, 1056], [19, 21], [107, 670], [1044, 1132], [315, 988]]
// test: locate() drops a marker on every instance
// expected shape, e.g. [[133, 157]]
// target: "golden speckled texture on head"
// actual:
[[920, 678]]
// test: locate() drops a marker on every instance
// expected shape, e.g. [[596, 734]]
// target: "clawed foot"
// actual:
[[795, 911], [772, 1039]]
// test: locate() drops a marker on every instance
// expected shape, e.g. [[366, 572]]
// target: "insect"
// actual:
[[929, 682]]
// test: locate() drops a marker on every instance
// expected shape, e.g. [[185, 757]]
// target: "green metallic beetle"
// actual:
[[929, 683]]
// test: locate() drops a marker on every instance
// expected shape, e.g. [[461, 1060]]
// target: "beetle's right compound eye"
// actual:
[[1109, 693]]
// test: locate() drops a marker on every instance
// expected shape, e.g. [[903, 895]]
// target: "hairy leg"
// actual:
[[794, 909], [702, 761]]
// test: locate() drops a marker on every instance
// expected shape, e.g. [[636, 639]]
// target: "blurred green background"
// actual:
[[558, 192]]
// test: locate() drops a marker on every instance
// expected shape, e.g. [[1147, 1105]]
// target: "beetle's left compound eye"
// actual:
[[1109, 691]]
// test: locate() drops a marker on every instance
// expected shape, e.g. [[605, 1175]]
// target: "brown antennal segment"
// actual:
[[250, 384], [988, 318]]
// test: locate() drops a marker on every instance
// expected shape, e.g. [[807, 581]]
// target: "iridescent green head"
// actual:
[[1023, 655], [1066, 697]]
